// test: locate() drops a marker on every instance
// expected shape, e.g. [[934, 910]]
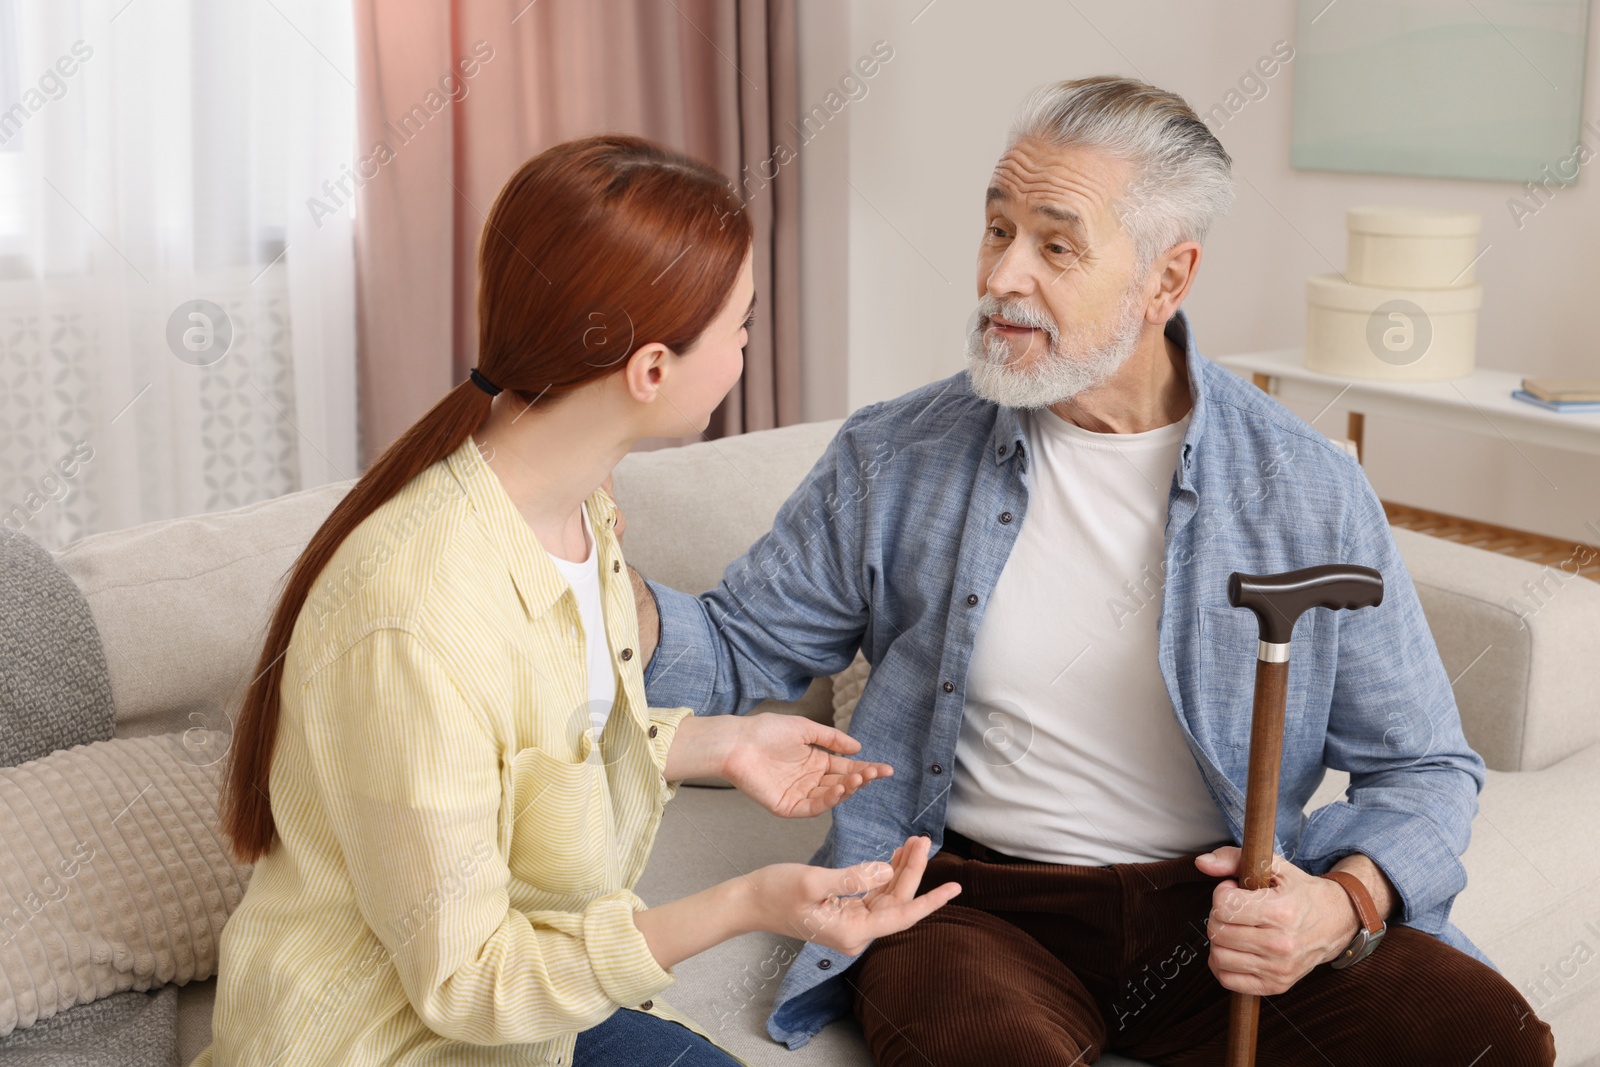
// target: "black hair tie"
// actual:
[[483, 383]]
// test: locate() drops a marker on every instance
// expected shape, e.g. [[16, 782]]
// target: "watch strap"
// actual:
[[1366, 909]]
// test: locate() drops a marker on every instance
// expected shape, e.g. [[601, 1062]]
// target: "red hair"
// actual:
[[568, 269]]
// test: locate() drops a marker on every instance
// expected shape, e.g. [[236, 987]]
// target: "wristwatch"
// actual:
[[1372, 928]]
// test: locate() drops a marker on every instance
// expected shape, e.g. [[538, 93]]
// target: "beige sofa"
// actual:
[[181, 606]]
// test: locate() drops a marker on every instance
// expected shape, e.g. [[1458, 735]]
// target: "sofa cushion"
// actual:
[[1532, 901], [55, 691], [113, 872], [183, 605], [1518, 639]]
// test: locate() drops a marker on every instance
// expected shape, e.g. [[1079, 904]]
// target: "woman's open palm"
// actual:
[[846, 908]]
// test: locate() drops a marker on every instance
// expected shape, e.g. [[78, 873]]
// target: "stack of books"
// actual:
[[1561, 394]]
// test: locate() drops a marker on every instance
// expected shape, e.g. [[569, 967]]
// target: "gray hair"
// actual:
[[1181, 181]]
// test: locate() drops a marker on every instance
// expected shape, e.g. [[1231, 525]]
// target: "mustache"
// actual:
[[1016, 312]]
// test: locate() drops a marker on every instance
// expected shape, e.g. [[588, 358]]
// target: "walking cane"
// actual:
[[1278, 601]]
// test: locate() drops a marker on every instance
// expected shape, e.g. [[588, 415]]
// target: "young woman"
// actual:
[[446, 772]]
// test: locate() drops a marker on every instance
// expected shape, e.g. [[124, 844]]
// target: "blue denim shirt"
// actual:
[[911, 512]]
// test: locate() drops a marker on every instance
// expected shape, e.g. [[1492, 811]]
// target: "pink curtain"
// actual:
[[454, 96]]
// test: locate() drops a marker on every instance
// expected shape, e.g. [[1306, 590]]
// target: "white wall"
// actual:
[[892, 211]]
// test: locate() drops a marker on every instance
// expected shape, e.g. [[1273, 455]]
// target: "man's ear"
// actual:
[[1176, 273], [646, 370]]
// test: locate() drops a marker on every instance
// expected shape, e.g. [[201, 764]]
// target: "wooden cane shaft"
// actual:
[[1244, 1012], [1260, 823], [1261, 785]]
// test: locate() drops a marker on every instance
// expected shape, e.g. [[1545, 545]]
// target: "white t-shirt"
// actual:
[[1070, 750], [584, 578]]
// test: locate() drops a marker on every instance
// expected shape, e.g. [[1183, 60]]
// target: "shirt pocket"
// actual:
[[561, 840], [1228, 644]]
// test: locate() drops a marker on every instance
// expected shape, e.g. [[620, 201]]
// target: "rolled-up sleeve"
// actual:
[[666, 722], [410, 775], [689, 656], [1394, 726]]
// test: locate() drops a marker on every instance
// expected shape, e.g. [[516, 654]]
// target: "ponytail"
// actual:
[[247, 808]]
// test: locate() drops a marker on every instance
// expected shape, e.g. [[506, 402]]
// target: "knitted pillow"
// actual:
[[55, 690], [847, 687], [127, 1030], [113, 873]]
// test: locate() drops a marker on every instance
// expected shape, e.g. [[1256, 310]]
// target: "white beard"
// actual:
[[1073, 362]]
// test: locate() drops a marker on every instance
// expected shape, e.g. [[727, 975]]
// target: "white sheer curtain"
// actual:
[[154, 153]]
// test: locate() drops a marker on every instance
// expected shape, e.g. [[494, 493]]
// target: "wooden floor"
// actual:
[[1521, 544]]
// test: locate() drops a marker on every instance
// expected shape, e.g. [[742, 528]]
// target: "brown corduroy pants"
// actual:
[[1039, 963]]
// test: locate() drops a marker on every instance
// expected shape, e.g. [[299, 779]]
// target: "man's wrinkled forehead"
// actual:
[[1067, 186]]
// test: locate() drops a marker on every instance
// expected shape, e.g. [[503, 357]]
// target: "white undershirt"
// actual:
[[1069, 749], [584, 578]]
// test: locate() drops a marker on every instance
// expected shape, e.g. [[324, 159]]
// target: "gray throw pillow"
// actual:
[[55, 690], [131, 1029]]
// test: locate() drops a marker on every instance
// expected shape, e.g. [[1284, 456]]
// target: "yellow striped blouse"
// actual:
[[452, 880]]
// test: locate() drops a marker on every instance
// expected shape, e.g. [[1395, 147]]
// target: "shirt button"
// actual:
[[936, 769], [626, 654], [1005, 517], [1002, 450], [823, 965], [948, 687], [647, 1005], [652, 731], [616, 566], [972, 600]]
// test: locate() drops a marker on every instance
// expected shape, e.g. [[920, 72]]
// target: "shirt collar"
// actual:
[[539, 584], [1009, 435], [1182, 332]]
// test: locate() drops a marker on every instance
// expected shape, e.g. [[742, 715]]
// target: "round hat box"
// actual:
[[1411, 247], [1360, 331]]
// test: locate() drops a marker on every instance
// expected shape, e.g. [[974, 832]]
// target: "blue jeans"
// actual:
[[636, 1039]]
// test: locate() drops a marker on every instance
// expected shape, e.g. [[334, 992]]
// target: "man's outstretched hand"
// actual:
[[791, 765], [1263, 941]]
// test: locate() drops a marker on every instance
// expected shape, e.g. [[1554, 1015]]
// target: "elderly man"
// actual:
[[1033, 557]]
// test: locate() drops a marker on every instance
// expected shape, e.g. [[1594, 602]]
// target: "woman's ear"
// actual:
[[645, 371]]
